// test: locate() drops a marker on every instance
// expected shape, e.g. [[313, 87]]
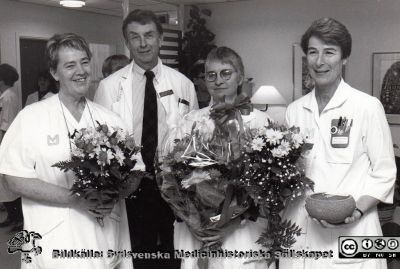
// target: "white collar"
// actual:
[[339, 97]]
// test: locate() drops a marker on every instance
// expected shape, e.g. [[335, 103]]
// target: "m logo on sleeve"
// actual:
[[53, 140]]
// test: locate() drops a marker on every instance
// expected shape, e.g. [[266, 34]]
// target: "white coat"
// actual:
[[365, 166], [117, 91], [37, 139]]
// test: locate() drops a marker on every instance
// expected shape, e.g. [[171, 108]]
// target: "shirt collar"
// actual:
[[339, 97], [139, 72]]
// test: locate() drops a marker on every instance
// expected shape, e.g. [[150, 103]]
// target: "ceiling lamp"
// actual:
[[72, 3]]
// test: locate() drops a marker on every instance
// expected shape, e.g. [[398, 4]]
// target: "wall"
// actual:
[[263, 31], [28, 20]]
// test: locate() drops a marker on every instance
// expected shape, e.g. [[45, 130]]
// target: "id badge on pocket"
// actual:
[[340, 132]]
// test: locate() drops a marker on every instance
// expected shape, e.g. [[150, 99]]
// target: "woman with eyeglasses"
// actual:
[[224, 73]]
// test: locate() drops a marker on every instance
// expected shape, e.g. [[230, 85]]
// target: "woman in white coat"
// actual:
[[39, 138], [224, 73], [352, 149]]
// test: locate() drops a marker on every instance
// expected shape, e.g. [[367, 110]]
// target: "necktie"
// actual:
[[150, 128]]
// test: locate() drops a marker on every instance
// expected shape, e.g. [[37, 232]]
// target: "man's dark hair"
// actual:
[[142, 17]]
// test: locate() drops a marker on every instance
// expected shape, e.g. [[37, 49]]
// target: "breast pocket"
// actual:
[[117, 107], [183, 106]]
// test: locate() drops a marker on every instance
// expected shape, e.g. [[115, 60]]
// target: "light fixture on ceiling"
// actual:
[[72, 3], [267, 95]]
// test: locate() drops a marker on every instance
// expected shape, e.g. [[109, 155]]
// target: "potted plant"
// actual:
[[197, 41]]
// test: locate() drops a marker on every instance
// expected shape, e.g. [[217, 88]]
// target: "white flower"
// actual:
[[257, 144], [262, 131], [285, 147], [297, 140], [277, 152], [119, 156], [273, 136]]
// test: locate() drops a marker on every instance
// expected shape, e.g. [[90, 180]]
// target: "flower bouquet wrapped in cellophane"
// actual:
[[106, 163], [273, 174], [196, 177]]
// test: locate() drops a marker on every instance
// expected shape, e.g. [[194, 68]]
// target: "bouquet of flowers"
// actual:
[[196, 178], [273, 174], [105, 161]]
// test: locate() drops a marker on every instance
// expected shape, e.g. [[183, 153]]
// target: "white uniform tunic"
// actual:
[[365, 166], [244, 237], [37, 139]]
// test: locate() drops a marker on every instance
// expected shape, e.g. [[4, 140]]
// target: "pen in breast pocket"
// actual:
[[344, 122], [349, 126], [339, 122]]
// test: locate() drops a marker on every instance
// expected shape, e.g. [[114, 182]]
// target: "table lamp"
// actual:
[[267, 95]]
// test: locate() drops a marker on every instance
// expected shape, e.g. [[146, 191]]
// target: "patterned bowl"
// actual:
[[330, 207]]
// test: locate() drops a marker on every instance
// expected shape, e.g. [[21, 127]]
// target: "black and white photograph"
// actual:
[[199, 134]]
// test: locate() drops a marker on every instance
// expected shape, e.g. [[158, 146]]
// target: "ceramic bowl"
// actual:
[[330, 207]]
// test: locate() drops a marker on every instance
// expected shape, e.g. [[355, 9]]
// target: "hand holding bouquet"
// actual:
[[107, 165], [196, 176]]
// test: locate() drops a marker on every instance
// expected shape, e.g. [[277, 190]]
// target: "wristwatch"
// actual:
[[360, 211]]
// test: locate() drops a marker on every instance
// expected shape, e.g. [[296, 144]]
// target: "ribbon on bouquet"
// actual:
[[221, 112], [229, 124]]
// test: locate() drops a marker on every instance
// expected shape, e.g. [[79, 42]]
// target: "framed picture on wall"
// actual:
[[386, 83], [302, 81]]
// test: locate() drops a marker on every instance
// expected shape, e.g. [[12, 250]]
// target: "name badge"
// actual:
[[52, 141], [340, 132], [166, 93]]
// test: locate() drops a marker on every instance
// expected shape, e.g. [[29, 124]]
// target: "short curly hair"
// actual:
[[67, 40], [330, 31]]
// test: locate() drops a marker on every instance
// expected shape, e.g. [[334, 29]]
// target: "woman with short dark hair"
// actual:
[[352, 150]]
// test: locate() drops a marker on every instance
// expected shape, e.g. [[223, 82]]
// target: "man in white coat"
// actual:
[[142, 93]]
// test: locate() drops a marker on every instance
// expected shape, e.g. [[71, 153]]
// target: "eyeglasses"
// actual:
[[225, 74]]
